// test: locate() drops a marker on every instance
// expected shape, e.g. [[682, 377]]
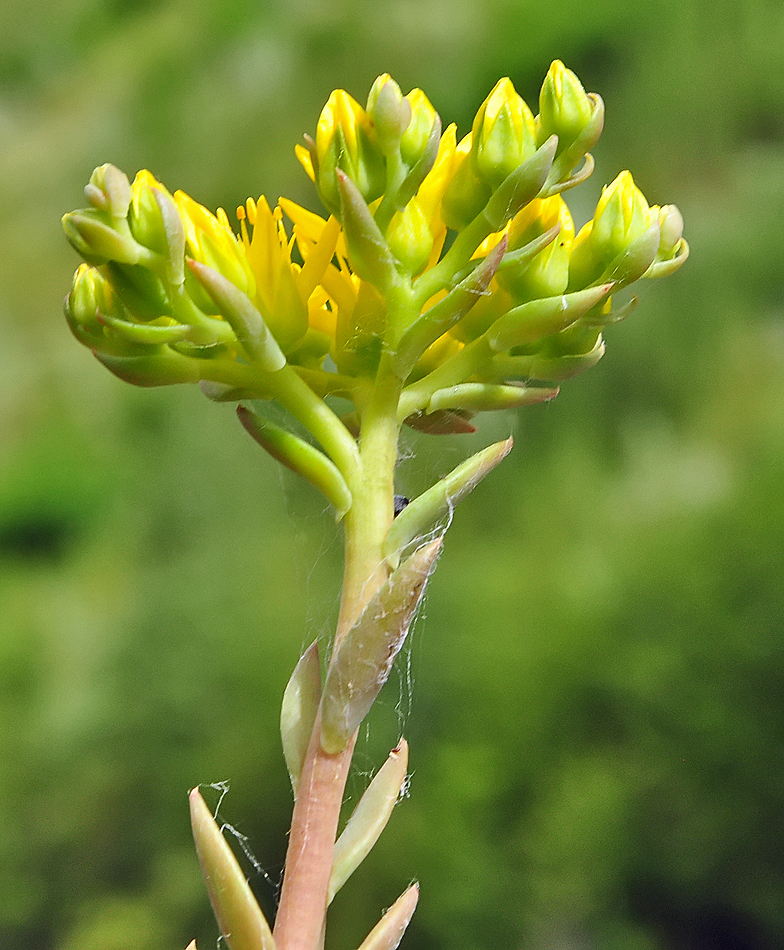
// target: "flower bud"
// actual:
[[109, 190], [503, 134], [84, 301], [466, 194], [389, 112], [345, 141], [670, 230], [547, 272], [414, 140], [565, 109], [622, 217], [145, 218], [409, 237]]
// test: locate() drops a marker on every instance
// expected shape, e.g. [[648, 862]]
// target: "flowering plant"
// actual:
[[446, 280]]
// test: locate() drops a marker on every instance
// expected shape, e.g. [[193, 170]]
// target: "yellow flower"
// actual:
[[210, 240]]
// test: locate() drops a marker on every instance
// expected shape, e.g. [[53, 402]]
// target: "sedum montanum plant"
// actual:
[[445, 280]]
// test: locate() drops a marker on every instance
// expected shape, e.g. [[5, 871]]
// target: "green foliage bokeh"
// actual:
[[593, 694]]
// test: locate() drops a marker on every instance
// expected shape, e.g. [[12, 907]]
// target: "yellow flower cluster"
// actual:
[[456, 261]]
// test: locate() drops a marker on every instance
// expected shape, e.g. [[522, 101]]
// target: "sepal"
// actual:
[[522, 186]]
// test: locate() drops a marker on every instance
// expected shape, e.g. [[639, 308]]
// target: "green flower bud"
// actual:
[[670, 231], [415, 138], [83, 303], [145, 218], [109, 190], [565, 109], [547, 272], [503, 134], [389, 112], [622, 217], [409, 237], [673, 249]]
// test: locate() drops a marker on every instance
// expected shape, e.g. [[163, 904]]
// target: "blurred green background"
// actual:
[[594, 694]]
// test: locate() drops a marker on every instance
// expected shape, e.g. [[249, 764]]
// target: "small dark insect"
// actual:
[[400, 503]]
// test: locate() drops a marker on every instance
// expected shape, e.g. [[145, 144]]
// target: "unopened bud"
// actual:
[[410, 238], [670, 230], [565, 109], [546, 273], [84, 301], [389, 112], [622, 217], [415, 138], [144, 218], [109, 190], [503, 135], [466, 194], [346, 142]]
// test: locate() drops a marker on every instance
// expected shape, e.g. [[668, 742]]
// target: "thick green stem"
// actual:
[[303, 903]]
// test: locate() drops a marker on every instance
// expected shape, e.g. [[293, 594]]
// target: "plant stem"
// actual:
[[303, 903]]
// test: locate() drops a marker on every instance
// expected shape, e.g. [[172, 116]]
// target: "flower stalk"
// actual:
[[445, 281]]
